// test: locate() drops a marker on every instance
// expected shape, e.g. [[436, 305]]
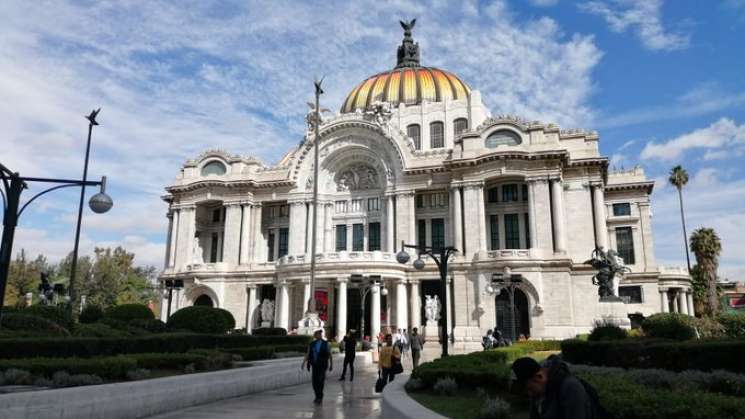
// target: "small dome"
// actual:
[[410, 85]]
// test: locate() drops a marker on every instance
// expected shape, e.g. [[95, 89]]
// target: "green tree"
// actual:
[[679, 178], [113, 279], [24, 276], [707, 247]]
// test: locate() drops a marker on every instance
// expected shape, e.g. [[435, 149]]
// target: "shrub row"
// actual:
[[479, 369], [32, 325], [668, 355], [265, 352], [202, 319], [86, 347]]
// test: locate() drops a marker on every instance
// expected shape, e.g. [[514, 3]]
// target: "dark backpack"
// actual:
[[592, 394]]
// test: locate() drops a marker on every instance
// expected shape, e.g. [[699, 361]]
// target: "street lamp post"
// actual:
[[172, 284], [14, 184], [509, 282], [440, 255], [365, 288]]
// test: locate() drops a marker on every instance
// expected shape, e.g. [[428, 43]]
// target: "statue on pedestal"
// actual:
[[432, 309], [267, 312], [608, 264], [198, 252]]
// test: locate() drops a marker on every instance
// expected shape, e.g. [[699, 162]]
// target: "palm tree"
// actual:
[[679, 178], [706, 245]]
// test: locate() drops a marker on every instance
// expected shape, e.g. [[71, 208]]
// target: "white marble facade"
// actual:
[[506, 192]]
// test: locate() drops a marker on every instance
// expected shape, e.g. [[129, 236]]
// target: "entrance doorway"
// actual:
[[504, 317], [354, 312]]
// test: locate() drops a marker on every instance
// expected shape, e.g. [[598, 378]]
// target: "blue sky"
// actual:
[[660, 80]]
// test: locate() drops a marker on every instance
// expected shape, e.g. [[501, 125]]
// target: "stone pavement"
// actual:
[[341, 400]]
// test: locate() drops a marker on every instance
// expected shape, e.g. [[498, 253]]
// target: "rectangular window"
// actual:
[[511, 231], [270, 246], [216, 215], [494, 229], [493, 194], [625, 244], [284, 234], [341, 207], [509, 193], [631, 294], [421, 233], [436, 135], [622, 209], [373, 236], [439, 200], [341, 237], [356, 205], [358, 237], [420, 201], [415, 133], [527, 230], [524, 191], [284, 210], [214, 248], [438, 233], [373, 204], [459, 126]]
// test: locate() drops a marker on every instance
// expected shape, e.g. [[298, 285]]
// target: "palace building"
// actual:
[[414, 156]]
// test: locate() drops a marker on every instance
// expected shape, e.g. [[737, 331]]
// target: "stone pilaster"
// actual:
[[457, 220], [341, 308], [250, 307], [402, 321], [390, 224], [475, 226], [173, 237], [232, 233], [663, 301], [532, 225], [416, 305], [601, 226], [375, 313], [298, 222], [245, 237], [283, 295], [185, 245], [559, 223]]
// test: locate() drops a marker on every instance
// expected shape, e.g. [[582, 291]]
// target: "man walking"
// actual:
[[348, 345], [317, 359], [554, 392], [417, 344]]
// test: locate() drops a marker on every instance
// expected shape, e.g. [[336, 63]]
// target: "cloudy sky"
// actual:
[[661, 81]]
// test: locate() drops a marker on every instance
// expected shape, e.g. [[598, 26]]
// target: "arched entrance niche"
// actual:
[[504, 318], [204, 300], [201, 295]]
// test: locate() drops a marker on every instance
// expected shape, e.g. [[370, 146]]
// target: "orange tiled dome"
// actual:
[[410, 85]]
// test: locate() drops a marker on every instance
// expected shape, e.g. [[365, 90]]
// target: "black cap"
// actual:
[[524, 369]]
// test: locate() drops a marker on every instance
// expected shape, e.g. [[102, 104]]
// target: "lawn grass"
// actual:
[[463, 405]]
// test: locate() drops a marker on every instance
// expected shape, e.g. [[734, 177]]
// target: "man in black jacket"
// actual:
[[348, 345], [554, 392], [317, 359]]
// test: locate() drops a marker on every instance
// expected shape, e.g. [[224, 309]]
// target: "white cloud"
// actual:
[[174, 79], [644, 16], [543, 3], [723, 135]]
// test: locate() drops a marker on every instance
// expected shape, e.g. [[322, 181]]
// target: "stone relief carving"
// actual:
[[357, 177]]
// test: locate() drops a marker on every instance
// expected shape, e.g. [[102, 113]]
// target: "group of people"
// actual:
[[495, 339]]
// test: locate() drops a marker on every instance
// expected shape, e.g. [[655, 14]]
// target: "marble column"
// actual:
[[416, 302], [482, 217], [682, 303], [329, 244], [689, 302], [341, 308], [455, 203], [557, 197], [298, 220], [232, 233], [411, 199], [664, 306], [402, 321], [389, 225], [185, 248], [245, 234], [309, 234], [472, 214], [306, 296], [601, 226], [532, 227], [173, 237], [258, 244], [250, 307], [375, 313], [284, 312]]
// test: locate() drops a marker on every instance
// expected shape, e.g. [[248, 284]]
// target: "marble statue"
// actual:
[[267, 312], [198, 256], [608, 264], [432, 308]]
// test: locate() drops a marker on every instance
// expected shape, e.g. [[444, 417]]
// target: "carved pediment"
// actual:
[[357, 177]]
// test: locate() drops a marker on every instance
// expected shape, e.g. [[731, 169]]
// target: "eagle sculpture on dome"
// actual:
[[408, 26], [408, 51]]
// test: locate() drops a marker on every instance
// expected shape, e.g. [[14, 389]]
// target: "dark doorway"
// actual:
[[204, 300], [354, 312], [504, 314], [267, 291]]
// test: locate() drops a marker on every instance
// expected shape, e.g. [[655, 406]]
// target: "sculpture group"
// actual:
[[608, 264]]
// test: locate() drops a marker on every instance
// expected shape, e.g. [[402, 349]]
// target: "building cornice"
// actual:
[[631, 186]]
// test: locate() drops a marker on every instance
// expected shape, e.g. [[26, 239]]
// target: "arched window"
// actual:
[[436, 135], [502, 137], [214, 168], [414, 131], [459, 126]]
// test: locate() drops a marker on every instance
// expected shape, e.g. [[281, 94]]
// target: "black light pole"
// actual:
[[74, 265], [170, 286], [365, 288], [440, 255]]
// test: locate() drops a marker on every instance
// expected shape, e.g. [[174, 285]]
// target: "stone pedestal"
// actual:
[[431, 331], [612, 308], [309, 324]]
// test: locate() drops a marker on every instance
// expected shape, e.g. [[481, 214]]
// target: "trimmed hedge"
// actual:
[[97, 330], [32, 324], [150, 325], [129, 312], [607, 332], [733, 324], [58, 314], [669, 326], [266, 352], [668, 355], [86, 347], [91, 314], [104, 367], [486, 369], [202, 319], [269, 331]]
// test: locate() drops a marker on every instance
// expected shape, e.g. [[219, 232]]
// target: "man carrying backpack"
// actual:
[[554, 392], [318, 358]]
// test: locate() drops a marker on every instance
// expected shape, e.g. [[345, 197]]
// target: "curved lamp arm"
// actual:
[[42, 193]]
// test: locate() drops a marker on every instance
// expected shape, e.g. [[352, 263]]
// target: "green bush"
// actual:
[[733, 324], [479, 369], [91, 314], [105, 367], [269, 331], [34, 325], [129, 312], [85, 347], [97, 330], [607, 331], [149, 325], [266, 352], [540, 345], [669, 326], [650, 353], [708, 328], [202, 319], [58, 314]]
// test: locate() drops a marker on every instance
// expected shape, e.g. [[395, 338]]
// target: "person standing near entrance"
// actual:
[[416, 342], [317, 359], [389, 354], [348, 345]]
